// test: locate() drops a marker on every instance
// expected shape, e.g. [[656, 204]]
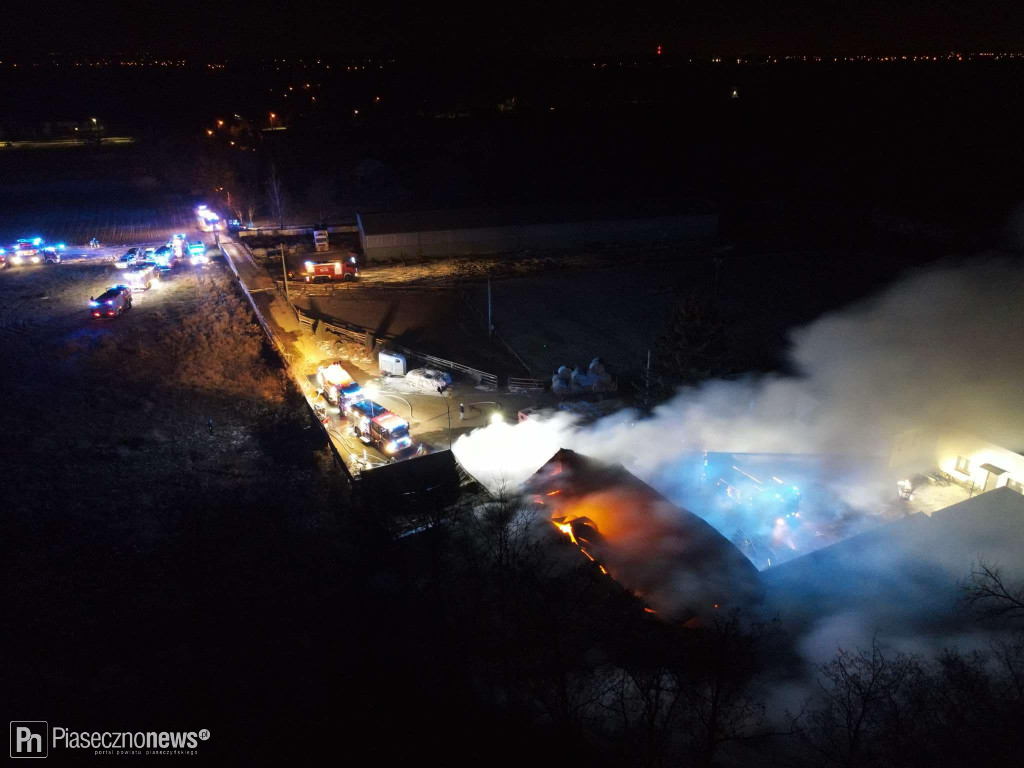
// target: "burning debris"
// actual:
[[669, 556]]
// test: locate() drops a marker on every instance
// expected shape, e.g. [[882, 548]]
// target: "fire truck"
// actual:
[[329, 271], [376, 425], [337, 385]]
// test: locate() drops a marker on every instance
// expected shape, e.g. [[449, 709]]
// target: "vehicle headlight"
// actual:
[[391, 447]]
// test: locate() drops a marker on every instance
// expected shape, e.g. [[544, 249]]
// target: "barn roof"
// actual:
[[676, 560], [913, 562]]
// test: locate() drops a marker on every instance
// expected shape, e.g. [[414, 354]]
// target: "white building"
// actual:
[[968, 460]]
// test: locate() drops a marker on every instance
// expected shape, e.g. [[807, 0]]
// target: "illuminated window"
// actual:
[[1015, 485], [963, 465]]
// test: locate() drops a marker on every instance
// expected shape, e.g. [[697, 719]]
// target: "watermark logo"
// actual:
[[29, 738]]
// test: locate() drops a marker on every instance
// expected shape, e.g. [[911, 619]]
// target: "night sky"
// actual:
[[390, 28]]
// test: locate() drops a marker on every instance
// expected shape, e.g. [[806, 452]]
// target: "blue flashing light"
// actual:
[[37, 240], [61, 246], [94, 303]]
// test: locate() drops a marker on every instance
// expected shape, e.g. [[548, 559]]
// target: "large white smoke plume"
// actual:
[[942, 346]]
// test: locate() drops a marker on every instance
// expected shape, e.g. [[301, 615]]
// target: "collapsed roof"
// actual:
[[675, 560]]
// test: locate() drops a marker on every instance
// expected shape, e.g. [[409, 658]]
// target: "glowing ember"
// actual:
[[567, 530]]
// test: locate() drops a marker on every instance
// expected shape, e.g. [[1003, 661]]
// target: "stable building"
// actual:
[[395, 235], [672, 558]]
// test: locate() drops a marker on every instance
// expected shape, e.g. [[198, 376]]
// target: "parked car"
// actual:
[[116, 300], [128, 259], [428, 379]]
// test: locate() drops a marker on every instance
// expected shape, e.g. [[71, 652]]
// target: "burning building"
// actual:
[[677, 562], [902, 574]]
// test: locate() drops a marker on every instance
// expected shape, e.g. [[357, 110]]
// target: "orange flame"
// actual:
[[554, 493], [567, 530]]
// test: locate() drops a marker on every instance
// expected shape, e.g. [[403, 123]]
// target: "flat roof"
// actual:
[[395, 222]]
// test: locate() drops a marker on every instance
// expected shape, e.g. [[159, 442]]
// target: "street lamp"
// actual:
[[447, 408]]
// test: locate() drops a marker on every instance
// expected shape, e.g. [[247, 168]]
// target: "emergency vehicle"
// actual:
[[140, 278], [329, 271], [374, 424], [26, 251], [208, 220], [116, 300], [337, 385], [197, 253]]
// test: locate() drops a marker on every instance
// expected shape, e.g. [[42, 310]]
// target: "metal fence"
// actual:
[[523, 385], [359, 334], [280, 347]]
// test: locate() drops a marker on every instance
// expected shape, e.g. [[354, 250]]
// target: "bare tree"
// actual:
[[244, 202], [986, 591], [862, 696], [646, 704], [276, 195]]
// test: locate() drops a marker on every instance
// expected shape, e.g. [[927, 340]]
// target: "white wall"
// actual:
[[954, 443]]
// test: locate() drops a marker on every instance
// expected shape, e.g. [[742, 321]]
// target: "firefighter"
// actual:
[[462, 412]]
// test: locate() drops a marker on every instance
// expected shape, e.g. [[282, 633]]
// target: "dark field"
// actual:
[[73, 194], [155, 558]]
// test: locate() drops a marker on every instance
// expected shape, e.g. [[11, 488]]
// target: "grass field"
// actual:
[[160, 479]]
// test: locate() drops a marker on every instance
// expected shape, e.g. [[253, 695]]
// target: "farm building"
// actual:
[[505, 230], [676, 561], [903, 571]]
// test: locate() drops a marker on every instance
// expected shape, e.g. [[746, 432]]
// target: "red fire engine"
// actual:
[[328, 271]]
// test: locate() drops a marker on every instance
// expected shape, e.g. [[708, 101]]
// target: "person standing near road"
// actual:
[[462, 412]]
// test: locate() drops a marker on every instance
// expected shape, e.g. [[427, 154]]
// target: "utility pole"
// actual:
[[448, 410], [284, 271], [646, 397], [490, 325]]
